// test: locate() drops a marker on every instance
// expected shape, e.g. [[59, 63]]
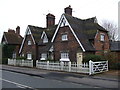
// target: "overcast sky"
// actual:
[[21, 13]]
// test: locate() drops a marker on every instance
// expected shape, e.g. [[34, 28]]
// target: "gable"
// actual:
[[4, 40], [61, 23], [28, 32], [44, 37], [12, 38]]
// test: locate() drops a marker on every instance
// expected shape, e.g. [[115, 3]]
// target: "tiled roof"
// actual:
[[46, 47], [50, 31], [13, 38], [115, 46], [36, 32], [85, 30]]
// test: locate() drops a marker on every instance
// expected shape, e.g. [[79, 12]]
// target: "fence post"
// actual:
[[69, 66], [36, 63], [15, 62], [62, 64], [90, 67], [107, 65], [8, 61], [47, 64]]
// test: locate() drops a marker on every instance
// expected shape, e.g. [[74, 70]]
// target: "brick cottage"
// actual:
[[70, 40], [13, 38]]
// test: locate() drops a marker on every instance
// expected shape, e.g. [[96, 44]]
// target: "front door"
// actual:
[[79, 58]]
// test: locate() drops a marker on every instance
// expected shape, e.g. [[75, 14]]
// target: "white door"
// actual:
[[79, 58]]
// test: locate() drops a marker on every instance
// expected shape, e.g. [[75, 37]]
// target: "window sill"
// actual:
[[64, 41], [42, 59], [65, 59]]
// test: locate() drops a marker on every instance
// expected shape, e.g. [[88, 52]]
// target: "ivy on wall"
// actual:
[[7, 51]]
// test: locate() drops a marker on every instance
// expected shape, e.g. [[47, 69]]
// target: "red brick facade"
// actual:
[[71, 45], [101, 46], [29, 49]]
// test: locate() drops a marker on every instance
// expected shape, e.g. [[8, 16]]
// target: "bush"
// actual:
[[20, 58], [49, 59], [92, 57], [112, 60], [4, 60]]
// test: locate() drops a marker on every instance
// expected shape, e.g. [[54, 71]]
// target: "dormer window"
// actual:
[[102, 37], [64, 37], [29, 42], [64, 23], [28, 32], [45, 40], [44, 37]]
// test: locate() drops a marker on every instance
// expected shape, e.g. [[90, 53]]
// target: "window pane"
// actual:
[[64, 37], [29, 42], [14, 55], [29, 56], [64, 55], [44, 55], [102, 37], [45, 40]]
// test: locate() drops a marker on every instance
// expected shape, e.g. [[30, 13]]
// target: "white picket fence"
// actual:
[[62, 66], [28, 63], [91, 68]]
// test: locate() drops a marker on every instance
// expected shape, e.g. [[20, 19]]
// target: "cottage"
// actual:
[[70, 40], [14, 39], [37, 44], [75, 38]]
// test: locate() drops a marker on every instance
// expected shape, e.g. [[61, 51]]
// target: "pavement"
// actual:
[[108, 79]]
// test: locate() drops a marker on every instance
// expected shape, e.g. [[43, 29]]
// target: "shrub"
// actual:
[[92, 57], [49, 59], [4, 60], [112, 60], [20, 58]]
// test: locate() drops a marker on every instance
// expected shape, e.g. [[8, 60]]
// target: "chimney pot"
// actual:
[[50, 20], [11, 31], [68, 10], [18, 30]]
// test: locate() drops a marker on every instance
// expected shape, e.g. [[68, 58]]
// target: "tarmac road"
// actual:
[[66, 79], [18, 80]]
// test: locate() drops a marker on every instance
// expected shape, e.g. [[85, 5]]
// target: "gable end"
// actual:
[[67, 23]]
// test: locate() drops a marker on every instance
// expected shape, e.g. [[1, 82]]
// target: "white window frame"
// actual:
[[45, 39], [23, 55], [43, 56], [29, 42], [64, 55], [29, 56], [28, 32], [64, 37], [14, 55], [102, 37]]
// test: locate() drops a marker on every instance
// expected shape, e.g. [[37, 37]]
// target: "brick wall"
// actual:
[[29, 48], [101, 46], [70, 46]]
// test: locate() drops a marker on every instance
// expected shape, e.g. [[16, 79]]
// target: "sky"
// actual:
[[22, 13]]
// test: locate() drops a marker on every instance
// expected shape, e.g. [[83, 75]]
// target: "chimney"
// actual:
[[50, 20], [68, 10], [11, 31], [18, 30]]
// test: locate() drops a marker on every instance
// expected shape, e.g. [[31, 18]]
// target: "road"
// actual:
[[18, 80]]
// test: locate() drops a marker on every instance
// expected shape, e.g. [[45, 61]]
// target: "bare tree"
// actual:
[[112, 28]]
